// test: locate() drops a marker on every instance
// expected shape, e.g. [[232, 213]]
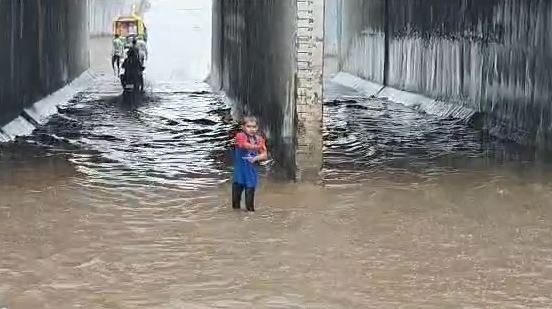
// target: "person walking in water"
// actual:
[[118, 51], [142, 48], [249, 150]]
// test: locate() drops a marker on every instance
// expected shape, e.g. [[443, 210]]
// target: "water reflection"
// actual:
[[366, 135]]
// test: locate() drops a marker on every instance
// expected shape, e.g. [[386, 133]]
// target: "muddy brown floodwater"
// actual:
[[125, 205]]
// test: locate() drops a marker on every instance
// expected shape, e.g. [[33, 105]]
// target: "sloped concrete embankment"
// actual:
[[44, 48]]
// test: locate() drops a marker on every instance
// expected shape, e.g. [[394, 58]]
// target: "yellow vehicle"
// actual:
[[129, 27]]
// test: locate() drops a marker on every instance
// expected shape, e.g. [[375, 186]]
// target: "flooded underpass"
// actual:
[[117, 204], [367, 134]]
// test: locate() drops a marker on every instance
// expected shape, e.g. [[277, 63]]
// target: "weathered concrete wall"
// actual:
[[310, 56], [254, 64], [491, 56], [333, 23], [268, 58], [43, 46]]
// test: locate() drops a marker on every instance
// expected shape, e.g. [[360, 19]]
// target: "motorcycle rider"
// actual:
[[133, 68]]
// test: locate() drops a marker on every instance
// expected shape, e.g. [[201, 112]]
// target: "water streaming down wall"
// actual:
[[490, 56], [254, 64], [43, 46]]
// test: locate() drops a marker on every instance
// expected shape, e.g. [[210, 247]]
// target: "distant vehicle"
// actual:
[[130, 27]]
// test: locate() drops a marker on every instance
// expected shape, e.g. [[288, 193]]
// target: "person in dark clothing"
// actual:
[[134, 47], [131, 63], [133, 67]]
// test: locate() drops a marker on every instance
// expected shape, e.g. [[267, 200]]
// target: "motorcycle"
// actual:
[[133, 82]]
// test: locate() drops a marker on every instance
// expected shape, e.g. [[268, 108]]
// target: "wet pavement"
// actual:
[[124, 204]]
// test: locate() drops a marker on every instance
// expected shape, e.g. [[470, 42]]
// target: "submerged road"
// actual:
[[118, 204]]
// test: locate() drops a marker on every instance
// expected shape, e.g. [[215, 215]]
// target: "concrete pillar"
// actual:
[[310, 51]]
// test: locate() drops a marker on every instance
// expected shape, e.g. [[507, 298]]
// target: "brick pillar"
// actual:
[[310, 51]]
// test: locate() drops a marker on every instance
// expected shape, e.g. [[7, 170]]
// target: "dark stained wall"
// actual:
[[43, 46], [491, 56], [254, 64]]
